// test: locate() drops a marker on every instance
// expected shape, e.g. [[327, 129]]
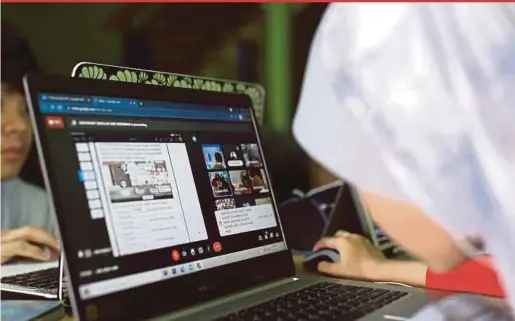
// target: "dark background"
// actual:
[[229, 41]]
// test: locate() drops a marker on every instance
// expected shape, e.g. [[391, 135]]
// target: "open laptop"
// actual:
[[349, 213], [38, 280], [153, 182]]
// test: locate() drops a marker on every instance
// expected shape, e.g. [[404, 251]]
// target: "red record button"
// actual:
[[176, 255], [217, 247]]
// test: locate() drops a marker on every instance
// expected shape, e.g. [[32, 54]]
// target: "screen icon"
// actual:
[[176, 255], [200, 250], [54, 122], [192, 252], [217, 247]]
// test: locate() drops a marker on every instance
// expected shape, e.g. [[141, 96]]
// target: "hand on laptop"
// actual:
[[28, 242], [359, 259]]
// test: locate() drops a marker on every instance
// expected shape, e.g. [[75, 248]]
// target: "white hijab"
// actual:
[[417, 102]]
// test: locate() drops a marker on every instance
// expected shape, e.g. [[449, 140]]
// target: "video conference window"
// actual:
[[214, 156], [241, 182], [132, 181], [220, 184], [225, 204], [251, 155], [234, 156], [258, 178]]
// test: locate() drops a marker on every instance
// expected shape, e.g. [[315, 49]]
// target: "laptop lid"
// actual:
[[350, 214], [95, 70], [161, 194]]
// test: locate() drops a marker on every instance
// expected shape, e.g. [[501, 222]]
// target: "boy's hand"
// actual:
[[28, 242]]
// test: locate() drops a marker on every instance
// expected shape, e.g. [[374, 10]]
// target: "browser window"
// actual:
[[157, 190]]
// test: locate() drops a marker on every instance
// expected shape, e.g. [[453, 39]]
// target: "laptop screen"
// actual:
[[156, 190]]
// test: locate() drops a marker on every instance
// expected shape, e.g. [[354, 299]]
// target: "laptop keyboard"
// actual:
[[47, 280], [323, 301]]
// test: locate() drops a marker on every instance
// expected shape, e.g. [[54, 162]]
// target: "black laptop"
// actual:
[[166, 210]]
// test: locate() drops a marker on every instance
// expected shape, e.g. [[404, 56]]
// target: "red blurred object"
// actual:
[[474, 276]]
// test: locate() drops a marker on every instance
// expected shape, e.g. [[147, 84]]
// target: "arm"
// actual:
[[362, 261], [406, 272], [416, 232]]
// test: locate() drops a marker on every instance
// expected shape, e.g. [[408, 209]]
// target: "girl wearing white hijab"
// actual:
[[415, 105]]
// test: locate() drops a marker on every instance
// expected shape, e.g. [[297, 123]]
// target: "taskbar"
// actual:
[[105, 287]]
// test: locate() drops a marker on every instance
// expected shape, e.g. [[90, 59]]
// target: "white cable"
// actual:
[[395, 283]]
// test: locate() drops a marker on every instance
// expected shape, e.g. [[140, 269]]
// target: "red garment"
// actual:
[[475, 276]]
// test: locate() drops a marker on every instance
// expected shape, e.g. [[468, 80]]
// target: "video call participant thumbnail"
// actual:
[[259, 183], [225, 204], [251, 155], [241, 182], [233, 155], [244, 202], [220, 184], [213, 156]]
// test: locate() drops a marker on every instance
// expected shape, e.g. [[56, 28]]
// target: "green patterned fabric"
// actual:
[[114, 73]]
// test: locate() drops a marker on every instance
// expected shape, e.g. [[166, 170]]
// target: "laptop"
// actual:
[[350, 213], [168, 191], [38, 280]]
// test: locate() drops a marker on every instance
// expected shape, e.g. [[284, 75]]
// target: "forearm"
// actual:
[[407, 272]]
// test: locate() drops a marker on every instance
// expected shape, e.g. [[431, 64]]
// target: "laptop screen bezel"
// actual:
[[215, 282]]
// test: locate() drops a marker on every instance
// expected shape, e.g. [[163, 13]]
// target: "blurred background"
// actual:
[[264, 43]]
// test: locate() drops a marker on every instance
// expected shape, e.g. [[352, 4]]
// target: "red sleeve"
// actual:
[[474, 276]]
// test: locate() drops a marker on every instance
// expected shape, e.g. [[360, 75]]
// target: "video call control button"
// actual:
[[176, 255], [217, 247]]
